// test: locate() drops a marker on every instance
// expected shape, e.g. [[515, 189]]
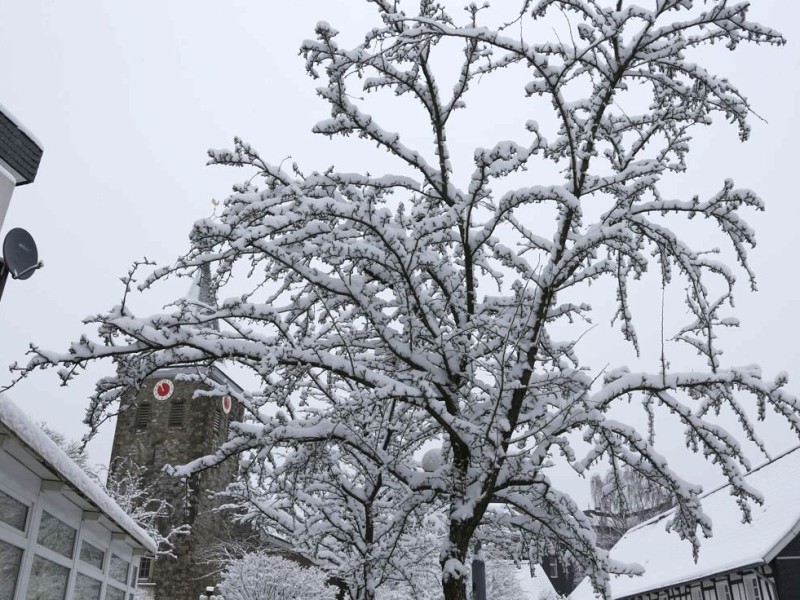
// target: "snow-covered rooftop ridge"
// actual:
[[536, 587], [10, 116], [31, 435], [668, 561], [213, 372]]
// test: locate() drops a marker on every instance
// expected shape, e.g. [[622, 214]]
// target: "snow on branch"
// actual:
[[386, 314]]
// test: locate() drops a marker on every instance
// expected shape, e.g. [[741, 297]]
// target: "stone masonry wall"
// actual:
[[152, 441]]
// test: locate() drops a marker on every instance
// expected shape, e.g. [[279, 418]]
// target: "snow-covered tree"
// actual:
[[72, 448], [340, 509], [127, 484], [502, 582], [260, 576], [458, 298]]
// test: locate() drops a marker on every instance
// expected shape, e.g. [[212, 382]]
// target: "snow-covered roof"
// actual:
[[10, 116], [213, 372], [734, 545], [537, 587], [56, 460]]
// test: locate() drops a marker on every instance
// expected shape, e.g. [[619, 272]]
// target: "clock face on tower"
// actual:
[[163, 389], [226, 404]]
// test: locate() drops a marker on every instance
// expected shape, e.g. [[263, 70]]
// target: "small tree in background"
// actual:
[[127, 485], [458, 295], [340, 509], [260, 576], [501, 581], [72, 448]]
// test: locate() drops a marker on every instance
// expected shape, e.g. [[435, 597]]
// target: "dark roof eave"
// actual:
[[692, 581], [19, 150]]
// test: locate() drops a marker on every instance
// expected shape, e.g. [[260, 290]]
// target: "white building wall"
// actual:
[[6, 189]]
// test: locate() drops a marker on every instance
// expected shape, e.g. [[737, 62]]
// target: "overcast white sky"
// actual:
[[127, 96]]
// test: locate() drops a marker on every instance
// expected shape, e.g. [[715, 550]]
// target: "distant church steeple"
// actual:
[[167, 425], [201, 293]]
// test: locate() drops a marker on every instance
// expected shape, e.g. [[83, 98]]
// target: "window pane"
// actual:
[[753, 589], [86, 588], [56, 535], [13, 512], [113, 593], [48, 581], [10, 560], [145, 568], [118, 569], [92, 555]]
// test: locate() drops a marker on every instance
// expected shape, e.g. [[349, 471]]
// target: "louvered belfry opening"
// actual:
[[217, 419], [143, 415], [176, 412]]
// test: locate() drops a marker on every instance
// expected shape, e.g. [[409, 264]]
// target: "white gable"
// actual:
[[734, 545]]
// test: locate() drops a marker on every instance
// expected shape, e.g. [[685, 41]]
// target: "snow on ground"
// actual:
[[668, 560]]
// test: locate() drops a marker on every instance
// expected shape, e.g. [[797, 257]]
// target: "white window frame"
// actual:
[[20, 543], [64, 510], [552, 566], [33, 548], [723, 590], [710, 593], [101, 579], [10, 535], [28, 518], [142, 580], [749, 581]]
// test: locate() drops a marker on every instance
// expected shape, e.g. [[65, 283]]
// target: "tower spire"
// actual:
[[201, 293]]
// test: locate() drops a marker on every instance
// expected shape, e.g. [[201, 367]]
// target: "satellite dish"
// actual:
[[20, 254]]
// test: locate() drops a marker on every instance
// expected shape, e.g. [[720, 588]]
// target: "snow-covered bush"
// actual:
[[261, 576], [501, 581]]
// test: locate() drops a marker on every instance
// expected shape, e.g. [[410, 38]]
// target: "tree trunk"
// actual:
[[455, 582], [455, 589], [363, 593]]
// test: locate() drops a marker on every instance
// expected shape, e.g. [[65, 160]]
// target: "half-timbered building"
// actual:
[[757, 560]]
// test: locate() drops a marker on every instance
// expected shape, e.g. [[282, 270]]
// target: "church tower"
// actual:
[[166, 424]]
